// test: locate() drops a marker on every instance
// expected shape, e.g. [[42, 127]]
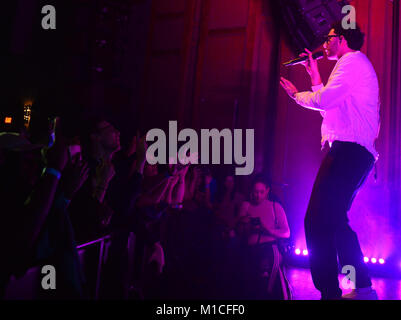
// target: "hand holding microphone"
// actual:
[[311, 67], [309, 64]]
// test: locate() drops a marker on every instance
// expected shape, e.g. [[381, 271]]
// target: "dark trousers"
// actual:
[[328, 234]]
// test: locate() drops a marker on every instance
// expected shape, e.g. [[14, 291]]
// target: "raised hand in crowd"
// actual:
[[208, 180], [132, 146], [76, 174], [176, 189], [172, 182], [40, 202], [179, 191], [57, 156], [194, 182], [141, 149]]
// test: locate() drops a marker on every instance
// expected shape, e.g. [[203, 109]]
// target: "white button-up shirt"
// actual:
[[349, 103]]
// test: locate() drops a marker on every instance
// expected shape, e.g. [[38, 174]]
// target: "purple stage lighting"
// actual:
[[365, 259], [373, 260], [381, 261], [305, 252], [297, 251]]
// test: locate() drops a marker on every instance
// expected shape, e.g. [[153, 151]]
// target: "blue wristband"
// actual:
[[53, 171], [52, 139]]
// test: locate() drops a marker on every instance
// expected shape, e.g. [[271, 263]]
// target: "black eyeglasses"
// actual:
[[328, 38]]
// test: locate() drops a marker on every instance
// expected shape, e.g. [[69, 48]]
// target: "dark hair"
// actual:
[[221, 188], [88, 125], [260, 178], [355, 37]]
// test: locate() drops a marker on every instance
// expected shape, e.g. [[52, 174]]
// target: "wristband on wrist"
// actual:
[[53, 172], [52, 139]]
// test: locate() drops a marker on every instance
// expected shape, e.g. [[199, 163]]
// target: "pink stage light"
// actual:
[[305, 252], [373, 260], [297, 251], [365, 259], [381, 261]]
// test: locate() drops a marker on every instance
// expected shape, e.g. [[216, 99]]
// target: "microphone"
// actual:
[[317, 55]]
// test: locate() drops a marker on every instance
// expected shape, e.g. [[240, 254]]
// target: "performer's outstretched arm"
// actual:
[[338, 88]]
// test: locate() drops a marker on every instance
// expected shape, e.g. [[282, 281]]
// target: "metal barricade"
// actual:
[[27, 286]]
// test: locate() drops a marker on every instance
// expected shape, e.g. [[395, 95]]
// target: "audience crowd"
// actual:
[[173, 231]]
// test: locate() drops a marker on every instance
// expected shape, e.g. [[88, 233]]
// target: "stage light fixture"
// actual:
[[297, 251], [381, 261], [373, 260], [305, 252], [366, 259]]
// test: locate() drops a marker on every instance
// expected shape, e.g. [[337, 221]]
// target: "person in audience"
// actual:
[[263, 223], [77, 189], [201, 189], [91, 214], [105, 205], [40, 229], [158, 206], [20, 171], [57, 245], [227, 204]]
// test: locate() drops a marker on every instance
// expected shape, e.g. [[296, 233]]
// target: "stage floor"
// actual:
[[303, 288]]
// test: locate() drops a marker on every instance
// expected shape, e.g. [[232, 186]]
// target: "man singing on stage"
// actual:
[[349, 104]]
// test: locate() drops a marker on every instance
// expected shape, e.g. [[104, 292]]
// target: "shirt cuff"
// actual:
[[317, 87]]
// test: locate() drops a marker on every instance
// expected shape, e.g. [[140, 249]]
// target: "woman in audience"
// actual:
[[263, 223]]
